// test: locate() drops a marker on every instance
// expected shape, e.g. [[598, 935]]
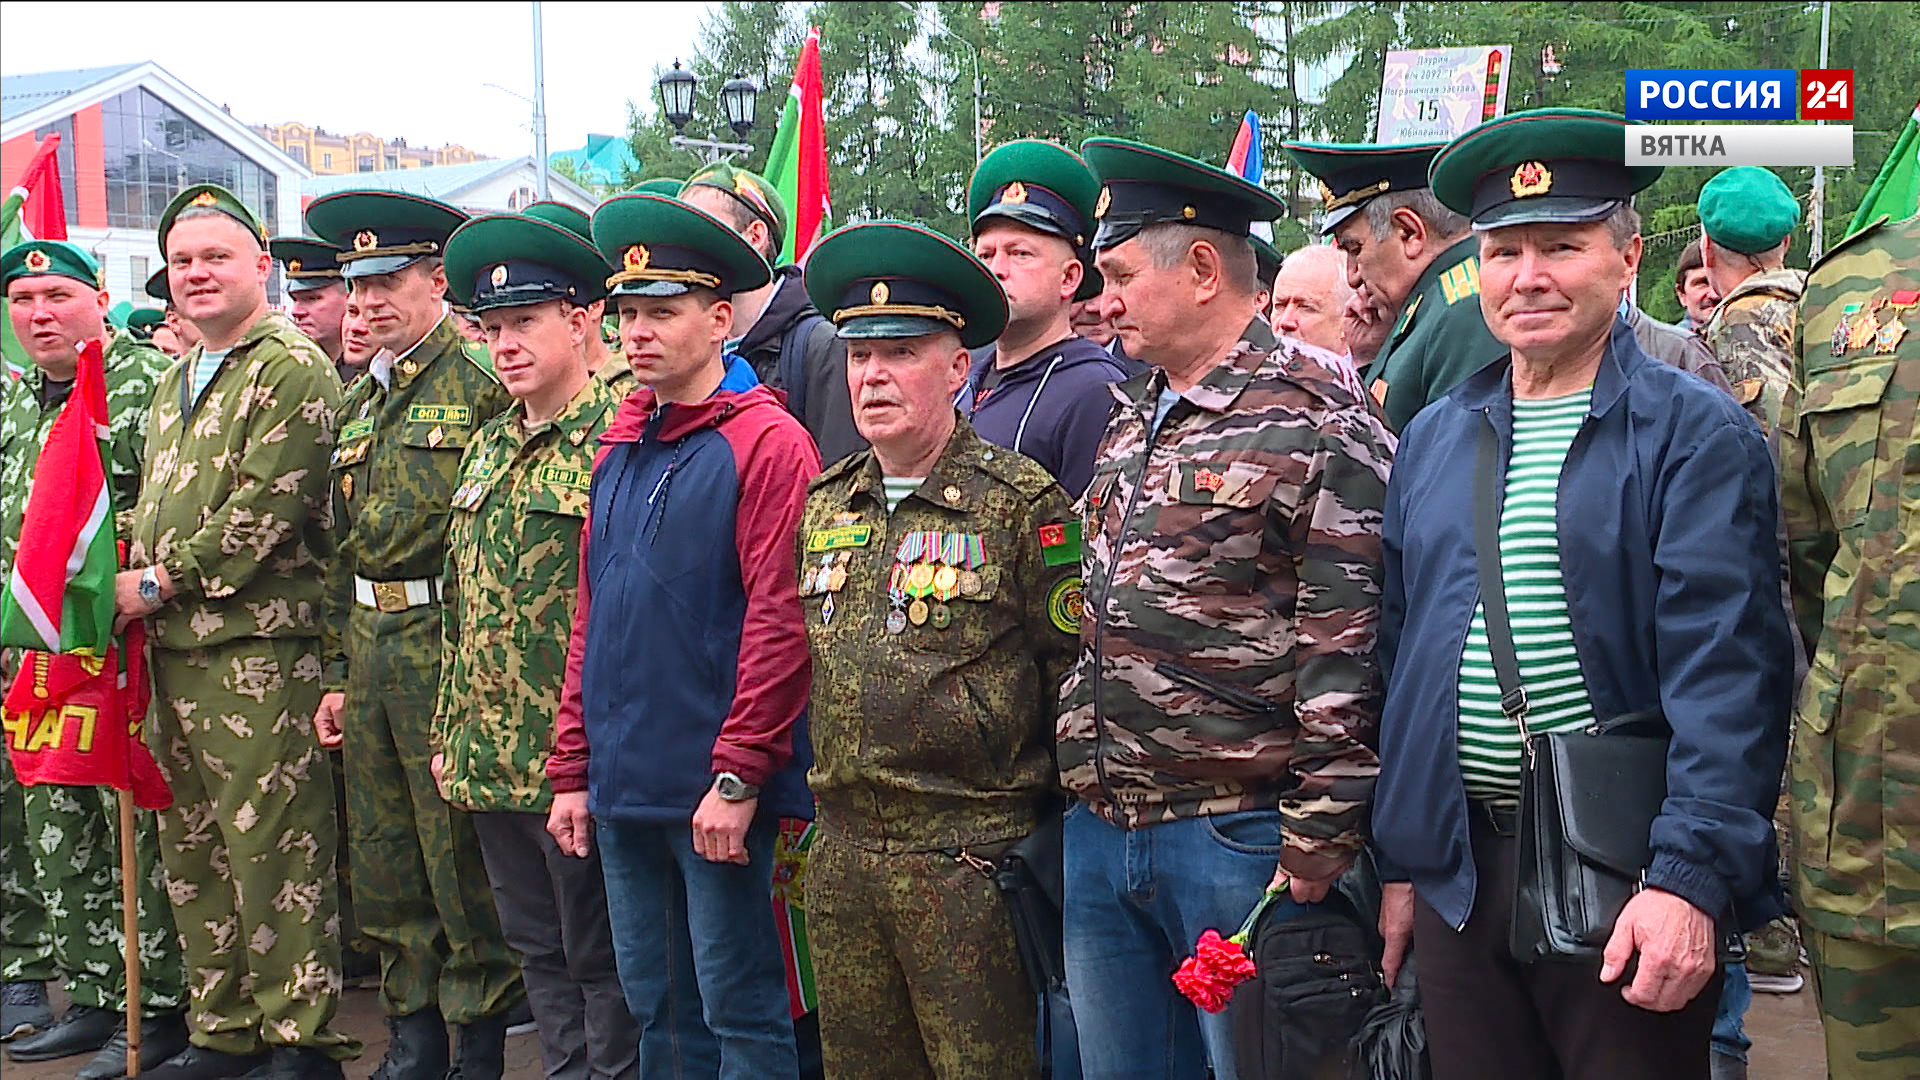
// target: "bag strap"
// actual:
[[1493, 588]]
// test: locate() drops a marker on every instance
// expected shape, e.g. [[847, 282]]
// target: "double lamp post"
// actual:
[[737, 100]]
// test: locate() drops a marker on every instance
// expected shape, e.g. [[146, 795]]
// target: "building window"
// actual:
[[326, 161], [138, 266], [392, 162], [366, 162], [298, 153], [151, 151], [521, 198]]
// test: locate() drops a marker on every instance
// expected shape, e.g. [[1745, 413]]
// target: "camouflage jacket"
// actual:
[[393, 472], [935, 731], [1233, 572], [1851, 497], [513, 565], [27, 412], [234, 501], [617, 374], [1751, 335]]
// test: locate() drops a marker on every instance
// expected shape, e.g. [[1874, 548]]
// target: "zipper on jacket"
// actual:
[[1100, 623], [1222, 692]]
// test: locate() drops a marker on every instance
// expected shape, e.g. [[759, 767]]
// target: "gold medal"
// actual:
[[1861, 331], [942, 618], [969, 583], [917, 613], [919, 580], [346, 486], [945, 582]]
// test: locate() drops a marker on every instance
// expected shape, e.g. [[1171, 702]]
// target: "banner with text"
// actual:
[[1432, 95]]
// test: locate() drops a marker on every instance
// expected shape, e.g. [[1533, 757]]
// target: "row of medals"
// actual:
[[927, 566], [1860, 325]]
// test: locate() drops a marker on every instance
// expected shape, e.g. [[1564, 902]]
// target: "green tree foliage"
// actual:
[[758, 40]]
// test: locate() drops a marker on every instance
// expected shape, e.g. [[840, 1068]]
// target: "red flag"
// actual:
[[73, 719], [45, 213], [797, 161]]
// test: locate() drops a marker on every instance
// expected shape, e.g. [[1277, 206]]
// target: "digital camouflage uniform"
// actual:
[[1751, 335], [1193, 629], [1439, 337], [233, 508], [929, 742], [616, 374], [60, 842], [1851, 471], [420, 887]]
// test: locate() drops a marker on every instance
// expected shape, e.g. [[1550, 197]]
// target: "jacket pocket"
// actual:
[[1224, 693]]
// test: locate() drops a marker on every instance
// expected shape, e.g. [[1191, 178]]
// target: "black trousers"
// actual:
[[1488, 1015], [553, 911]]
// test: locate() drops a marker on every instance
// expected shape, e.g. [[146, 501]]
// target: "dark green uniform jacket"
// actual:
[[1440, 338]]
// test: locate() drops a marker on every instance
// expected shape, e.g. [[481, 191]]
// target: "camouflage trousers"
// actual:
[[73, 833], [26, 945], [249, 843], [917, 968], [1869, 1006], [419, 882]]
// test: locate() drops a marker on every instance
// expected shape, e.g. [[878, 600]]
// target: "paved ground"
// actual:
[[1785, 1030]]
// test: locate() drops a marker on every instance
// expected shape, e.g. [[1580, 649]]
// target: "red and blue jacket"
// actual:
[[689, 650]]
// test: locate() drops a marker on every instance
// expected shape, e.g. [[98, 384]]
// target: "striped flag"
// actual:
[[791, 846], [1246, 162], [59, 598], [1896, 191], [797, 163], [34, 210]]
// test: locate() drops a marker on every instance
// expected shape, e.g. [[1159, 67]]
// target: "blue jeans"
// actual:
[[1729, 1028], [698, 954], [1136, 901]]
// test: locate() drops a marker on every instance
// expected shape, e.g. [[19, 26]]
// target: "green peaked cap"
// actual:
[[510, 260], [895, 279], [659, 246]]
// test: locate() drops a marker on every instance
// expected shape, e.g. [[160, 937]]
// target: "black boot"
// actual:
[[202, 1063], [161, 1037], [298, 1063], [416, 1047], [483, 1049], [82, 1031], [23, 1009]]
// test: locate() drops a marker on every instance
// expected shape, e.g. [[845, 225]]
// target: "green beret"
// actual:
[[662, 247], [750, 190], [209, 197], [50, 258], [893, 279], [1747, 209]]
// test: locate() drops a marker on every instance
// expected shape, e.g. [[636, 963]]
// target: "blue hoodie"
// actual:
[[1052, 406]]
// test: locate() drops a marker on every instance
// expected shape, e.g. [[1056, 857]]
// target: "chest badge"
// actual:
[[436, 436], [346, 487]]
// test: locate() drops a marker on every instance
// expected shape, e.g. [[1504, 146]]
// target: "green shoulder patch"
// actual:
[[1461, 281], [561, 476], [355, 429], [1060, 543], [440, 414], [1066, 602]]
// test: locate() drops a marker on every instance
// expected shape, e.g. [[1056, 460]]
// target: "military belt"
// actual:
[[395, 596]]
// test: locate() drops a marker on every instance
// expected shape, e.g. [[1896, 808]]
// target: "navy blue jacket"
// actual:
[[1666, 517], [1052, 406], [689, 649]]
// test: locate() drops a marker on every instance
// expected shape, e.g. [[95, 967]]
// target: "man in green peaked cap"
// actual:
[[316, 294], [791, 347], [937, 624], [1042, 389], [1747, 218], [1203, 496], [402, 431], [1413, 258], [60, 856], [606, 364], [223, 563], [513, 564], [679, 741]]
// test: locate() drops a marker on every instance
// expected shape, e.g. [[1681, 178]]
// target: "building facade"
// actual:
[[488, 186], [327, 154]]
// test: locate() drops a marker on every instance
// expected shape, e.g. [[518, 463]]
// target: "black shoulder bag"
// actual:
[[1587, 797]]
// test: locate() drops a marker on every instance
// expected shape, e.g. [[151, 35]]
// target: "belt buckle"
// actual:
[[390, 596]]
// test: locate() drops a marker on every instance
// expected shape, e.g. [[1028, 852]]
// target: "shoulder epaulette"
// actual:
[[1017, 471], [479, 357], [839, 470]]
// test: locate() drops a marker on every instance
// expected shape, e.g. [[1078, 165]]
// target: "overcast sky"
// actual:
[[416, 71]]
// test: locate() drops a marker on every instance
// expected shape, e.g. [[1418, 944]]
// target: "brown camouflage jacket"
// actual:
[[932, 719], [1751, 335], [1850, 472], [234, 502], [1233, 575]]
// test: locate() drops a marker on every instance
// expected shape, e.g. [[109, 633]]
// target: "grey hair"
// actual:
[[1446, 224], [1168, 245], [1623, 225]]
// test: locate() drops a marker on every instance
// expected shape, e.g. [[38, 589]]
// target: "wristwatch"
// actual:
[[733, 789], [150, 587]]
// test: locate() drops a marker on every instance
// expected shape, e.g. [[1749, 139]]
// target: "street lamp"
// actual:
[[736, 100]]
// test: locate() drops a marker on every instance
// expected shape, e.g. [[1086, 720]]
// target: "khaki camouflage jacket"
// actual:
[[1851, 497], [513, 565], [234, 503], [1233, 574], [1751, 335], [934, 697], [394, 471]]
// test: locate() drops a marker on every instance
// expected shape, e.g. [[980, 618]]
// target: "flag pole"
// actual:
[[130, 926]]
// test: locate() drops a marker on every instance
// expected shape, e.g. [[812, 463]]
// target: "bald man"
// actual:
[[1310, 297]]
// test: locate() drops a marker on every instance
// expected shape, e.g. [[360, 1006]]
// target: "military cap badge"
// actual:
[[205, 198], [879, 293], [293, 266], [635, 258], [365, 240], [1106, 200], [1015, 193], [38, 262], [1530, 178], [499, 276]]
